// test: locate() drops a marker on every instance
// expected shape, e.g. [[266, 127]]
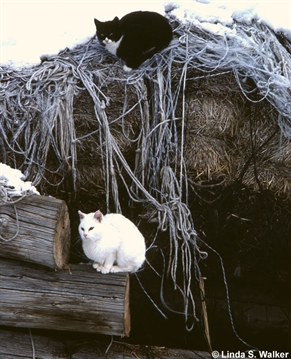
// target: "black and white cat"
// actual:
[[135, 37]]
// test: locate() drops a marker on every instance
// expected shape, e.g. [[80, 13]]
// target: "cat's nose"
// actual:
[[85, 235]]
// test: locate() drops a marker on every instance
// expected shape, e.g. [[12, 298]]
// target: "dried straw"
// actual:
[[146, 113]]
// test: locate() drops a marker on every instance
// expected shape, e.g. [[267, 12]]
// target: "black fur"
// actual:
[[144, 34]]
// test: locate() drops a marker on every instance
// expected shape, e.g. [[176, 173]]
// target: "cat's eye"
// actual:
[[111, 34], [90, 229], [82, 229]]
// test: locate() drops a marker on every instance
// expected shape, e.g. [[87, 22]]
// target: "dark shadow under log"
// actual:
[[36, 229], [20, 344], [78, 299]]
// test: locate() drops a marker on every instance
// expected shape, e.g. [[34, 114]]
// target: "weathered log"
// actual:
[[79, 299], [36, 229], [22, 344]]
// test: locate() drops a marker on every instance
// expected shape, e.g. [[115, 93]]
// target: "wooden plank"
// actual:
[[36, 229], [79, 299], [21, 344]]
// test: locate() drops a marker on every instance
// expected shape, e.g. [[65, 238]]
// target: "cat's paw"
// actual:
[[101, 268], [104, 270], [96, 266], [116, 269], [126, 68]]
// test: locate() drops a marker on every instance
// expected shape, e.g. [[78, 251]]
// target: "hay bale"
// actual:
[[112, 139], [263, 153], [206, 158], [211, 125], [212, 116], [228, 137]]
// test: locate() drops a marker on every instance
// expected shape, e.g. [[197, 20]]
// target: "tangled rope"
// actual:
[[37, 112]]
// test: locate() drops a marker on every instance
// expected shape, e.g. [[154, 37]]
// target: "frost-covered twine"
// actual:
[[250, 52], [37, 110], [154, 180], [37, 117]]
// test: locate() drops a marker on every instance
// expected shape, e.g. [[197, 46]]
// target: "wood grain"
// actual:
[[36, 229], [79, 299], [19, 344]]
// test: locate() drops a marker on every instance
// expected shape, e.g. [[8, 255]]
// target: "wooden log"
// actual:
[[36, 229], [22, 344], [79, 299]]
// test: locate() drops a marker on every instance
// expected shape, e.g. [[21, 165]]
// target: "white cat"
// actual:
[[112, 241]]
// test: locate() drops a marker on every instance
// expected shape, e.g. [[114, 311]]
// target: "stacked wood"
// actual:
[[36, 229], [23, 344], [78, 299]]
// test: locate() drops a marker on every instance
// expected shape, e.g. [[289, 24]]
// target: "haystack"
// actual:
[[186, 143]]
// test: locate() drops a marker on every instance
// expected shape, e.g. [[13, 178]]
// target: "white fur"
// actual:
[[112, 46], [126, 68], [113, 242]]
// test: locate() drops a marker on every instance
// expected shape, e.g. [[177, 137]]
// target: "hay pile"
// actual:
[[230, 138], [205, 114]]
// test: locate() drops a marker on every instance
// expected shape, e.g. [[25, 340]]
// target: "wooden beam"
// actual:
[[36, 229], [19, 344], [79, 299]]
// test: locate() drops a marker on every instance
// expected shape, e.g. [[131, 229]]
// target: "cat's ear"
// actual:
[[81, 214], [97, 22], [115, 19], [98, 215]]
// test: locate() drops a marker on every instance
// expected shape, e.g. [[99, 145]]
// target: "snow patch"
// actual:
[[13, 184]]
